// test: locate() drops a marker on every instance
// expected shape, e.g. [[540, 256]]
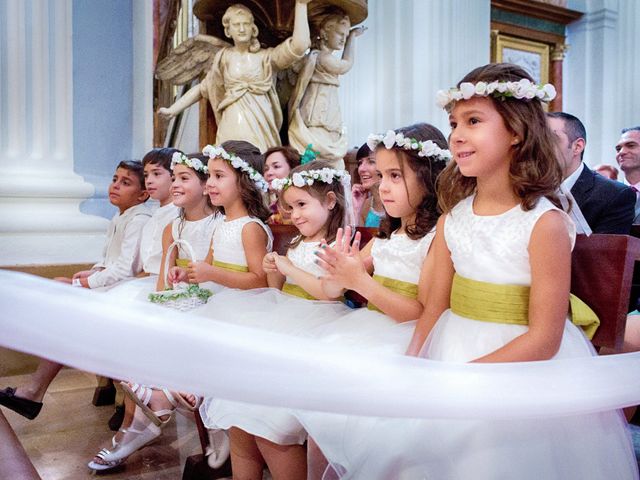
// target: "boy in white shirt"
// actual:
[[121, 260]]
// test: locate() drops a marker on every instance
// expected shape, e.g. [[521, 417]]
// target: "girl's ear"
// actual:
[[330, 200]]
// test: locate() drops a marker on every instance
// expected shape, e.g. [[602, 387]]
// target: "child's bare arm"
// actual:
[[434, 288]]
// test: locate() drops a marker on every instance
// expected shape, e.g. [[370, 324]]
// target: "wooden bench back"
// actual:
[[601, 274]]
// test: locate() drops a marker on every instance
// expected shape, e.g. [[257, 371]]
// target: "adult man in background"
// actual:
[[607, 206], [628, 157]]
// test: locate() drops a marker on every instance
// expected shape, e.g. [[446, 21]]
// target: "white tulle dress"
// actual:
[[268, 308], [597, 446], [399, 258]]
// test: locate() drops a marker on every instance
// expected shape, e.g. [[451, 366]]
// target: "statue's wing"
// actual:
[[287, 78], [189, 59]]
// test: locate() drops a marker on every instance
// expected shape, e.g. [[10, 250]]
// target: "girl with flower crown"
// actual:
[[313, 195], [499, 293], [148, 409]]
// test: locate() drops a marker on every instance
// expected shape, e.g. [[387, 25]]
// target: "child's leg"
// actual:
[[285, 462], [247, 462], [39, 381], [316, 461]]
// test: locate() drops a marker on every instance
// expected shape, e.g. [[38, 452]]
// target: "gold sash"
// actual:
[[490, 302], [231, 266], [296, 291], [406, 289], [183, 262]]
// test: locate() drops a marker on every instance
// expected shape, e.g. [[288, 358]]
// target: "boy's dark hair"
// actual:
[[135, 167], [160, 156]]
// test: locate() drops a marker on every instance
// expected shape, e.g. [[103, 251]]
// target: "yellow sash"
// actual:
[[296, 291], [406, 289], [231, 266], [183, 262], [490, 302]]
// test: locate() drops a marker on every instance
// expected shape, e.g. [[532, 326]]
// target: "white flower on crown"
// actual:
[[524, 89], [425, 149], [309, 177], [217, 151], [194, 163], [298, 180]]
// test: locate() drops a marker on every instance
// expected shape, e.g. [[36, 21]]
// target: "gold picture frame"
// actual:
[[530, 55]]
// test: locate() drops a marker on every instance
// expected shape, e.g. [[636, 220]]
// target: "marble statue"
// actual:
[[240, 83], [314, 110]]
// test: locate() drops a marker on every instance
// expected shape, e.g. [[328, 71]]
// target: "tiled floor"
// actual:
[[70, 430]]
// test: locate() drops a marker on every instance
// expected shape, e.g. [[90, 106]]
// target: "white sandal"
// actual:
[[141, 395], [140, 433]]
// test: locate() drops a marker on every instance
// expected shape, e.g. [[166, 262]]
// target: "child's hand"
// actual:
[[82, 274], [197, 272], [359, 195], [269, 263], [176, 275], [342, 262], [283, 264]]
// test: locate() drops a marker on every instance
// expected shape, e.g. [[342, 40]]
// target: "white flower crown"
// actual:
[[425, 149], [216, 151], [194, 163], [522, 90], [308, 177]]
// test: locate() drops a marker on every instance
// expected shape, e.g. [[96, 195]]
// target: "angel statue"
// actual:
[[314, 111], [240, 82]]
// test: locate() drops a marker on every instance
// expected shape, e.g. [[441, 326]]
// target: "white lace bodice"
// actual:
[[302, 256], [197, 233], [227, 240], [399, 257], [494, 248]]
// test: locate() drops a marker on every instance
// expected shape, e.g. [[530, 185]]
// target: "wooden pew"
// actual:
[[601, 275]]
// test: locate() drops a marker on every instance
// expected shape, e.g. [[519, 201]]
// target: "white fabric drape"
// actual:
[[159, 346]]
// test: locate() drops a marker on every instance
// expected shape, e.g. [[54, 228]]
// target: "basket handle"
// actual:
[[176, 243]]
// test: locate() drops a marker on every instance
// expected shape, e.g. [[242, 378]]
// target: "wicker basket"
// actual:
[[182, 299]]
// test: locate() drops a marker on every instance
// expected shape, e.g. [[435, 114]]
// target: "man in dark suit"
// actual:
[[608, 206], [628, 157]]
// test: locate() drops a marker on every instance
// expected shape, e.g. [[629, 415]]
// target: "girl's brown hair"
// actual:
[[534, 170], [427, 169], [320, 190], [252, 198]]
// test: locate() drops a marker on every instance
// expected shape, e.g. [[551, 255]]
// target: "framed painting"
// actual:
[[530, 55]]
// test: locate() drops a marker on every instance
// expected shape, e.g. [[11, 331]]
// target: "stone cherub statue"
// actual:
[[240, 81], [314, 110]]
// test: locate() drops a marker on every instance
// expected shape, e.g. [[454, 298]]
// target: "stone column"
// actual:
[[40, 220], [555, 74]]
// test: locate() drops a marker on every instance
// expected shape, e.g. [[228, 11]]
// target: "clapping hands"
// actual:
[[342, 262]]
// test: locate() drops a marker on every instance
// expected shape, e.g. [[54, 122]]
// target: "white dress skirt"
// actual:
[[332, 322], [595, 446]]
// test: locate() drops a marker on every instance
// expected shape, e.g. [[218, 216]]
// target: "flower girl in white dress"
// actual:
[[499, 293], [314, 196]]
